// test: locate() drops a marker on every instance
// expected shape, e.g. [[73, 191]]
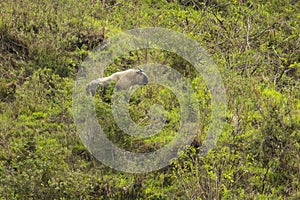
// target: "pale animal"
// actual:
[[124, 79]]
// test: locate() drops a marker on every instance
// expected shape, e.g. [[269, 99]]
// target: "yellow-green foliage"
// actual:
[[256, 47]]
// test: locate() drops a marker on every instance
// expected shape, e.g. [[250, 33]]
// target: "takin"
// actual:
[[124, 79]]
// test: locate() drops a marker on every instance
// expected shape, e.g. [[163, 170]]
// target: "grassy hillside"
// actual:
[[255, 46]]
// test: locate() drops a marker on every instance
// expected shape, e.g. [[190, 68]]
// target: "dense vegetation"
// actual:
[[256, 47]]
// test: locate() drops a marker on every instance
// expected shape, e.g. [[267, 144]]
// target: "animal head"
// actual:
[[142, 78]]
